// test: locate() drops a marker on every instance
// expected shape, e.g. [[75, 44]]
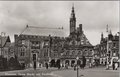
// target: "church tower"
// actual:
[[72, 22], [102, 38]]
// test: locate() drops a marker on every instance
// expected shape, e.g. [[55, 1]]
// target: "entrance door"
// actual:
[[34, 61], [34, 57]]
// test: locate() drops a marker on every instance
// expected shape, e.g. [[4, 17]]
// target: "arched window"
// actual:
[[85, 52], [90, 52], [73, 52], [114, 54], [79, 53], [67, 53], [22, 51]]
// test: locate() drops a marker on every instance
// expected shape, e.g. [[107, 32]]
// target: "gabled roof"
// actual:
[[12, 44], [43, 31], [80, 38], [85, 40], [3, 40]]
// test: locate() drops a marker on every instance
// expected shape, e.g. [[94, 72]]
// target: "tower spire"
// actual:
[[110, 31], [72, 21], [101, 35], [73, 7], [73, 12]]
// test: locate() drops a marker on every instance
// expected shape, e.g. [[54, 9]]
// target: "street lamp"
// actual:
[[77, 58], [107, 65], [119, 40], [50, 43]]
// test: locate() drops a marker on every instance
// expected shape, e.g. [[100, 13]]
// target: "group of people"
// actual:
[[81, 63], [82, 66], [48, 65]]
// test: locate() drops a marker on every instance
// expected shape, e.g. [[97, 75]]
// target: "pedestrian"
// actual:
[[62, 65], [90, 65], [75, 67], [34, 65], [116, 66], [66, 65], [46, 64], [83, 62], [40, 65], [113, 65], [58, 66]]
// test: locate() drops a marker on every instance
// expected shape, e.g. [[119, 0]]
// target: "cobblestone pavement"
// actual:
[[54, 72], [93, 72], [41, 72]]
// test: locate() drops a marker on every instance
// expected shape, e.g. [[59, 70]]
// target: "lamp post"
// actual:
[[107, 65], [50, 42], [77, 58], [119, 43]]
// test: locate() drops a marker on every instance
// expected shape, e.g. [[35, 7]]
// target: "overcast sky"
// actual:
[[94, 15]]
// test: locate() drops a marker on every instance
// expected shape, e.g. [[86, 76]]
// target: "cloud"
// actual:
[[94, 15]]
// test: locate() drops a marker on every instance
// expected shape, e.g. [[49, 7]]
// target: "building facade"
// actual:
[[76, 44], [4, 46], [108, 47], [30, 48], [4, 51], [38, 48]]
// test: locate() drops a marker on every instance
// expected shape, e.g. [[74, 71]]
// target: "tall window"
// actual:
[[73, 52], [35, 45], [67, 53], [114, 44], [79, 53], [22, 54], [22, 51], [23, 41], [114, 54], [90, 53], [84, 52]]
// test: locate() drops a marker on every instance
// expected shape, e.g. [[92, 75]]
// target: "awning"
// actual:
[[118, 60]]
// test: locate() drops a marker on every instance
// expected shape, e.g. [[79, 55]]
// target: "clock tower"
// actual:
[[72, 22]]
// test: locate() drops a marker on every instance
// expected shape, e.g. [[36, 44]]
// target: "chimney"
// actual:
[[16, 38], [80, 28]]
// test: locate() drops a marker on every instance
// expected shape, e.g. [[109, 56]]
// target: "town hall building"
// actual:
[[41, 49], [76, 44]]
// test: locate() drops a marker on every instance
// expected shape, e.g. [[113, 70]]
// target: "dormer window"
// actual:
[[23, 42]]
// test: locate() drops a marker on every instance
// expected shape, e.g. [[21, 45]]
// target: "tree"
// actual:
[[13, 63], [3, 63]]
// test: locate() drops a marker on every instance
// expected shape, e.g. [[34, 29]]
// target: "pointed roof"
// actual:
[[85, 41], [110, 32], [3, 40], [102, 35], [72, 12], [42, 31], [73, 8]]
